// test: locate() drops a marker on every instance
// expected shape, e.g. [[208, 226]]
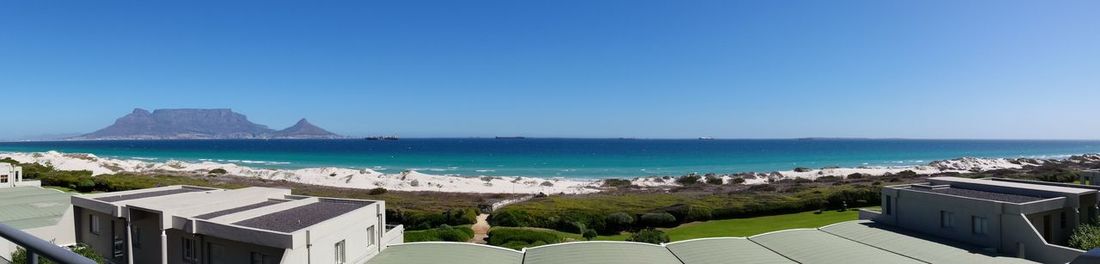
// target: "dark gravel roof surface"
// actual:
[[1003, 197], [125, 197], [296, 218], [238, 209]]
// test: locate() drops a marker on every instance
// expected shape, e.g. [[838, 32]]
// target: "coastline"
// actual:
[[412, 180]]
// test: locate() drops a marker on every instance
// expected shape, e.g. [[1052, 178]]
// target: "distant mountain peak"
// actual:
[[199, 124], [304, 129]]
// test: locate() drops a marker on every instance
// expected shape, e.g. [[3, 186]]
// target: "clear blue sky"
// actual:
[[631, 68]]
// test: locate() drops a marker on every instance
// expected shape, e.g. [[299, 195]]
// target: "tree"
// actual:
[[649, 235]]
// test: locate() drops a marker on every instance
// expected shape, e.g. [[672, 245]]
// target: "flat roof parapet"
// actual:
[[141, 195]]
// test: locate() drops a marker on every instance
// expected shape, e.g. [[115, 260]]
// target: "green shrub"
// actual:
[[518, 238], [649, 235], [377, 191], [419, 220], [618, 222], [218, 171], [714, 180], [616, 183], [688, 179], [737, 180], [589, 234], [662, 219], [20, 255], [441, 233], [1086, 236]]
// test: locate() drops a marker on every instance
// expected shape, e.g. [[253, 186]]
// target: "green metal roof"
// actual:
[[32, 207], [724, 250], [451, 253], [600, 252], [813, 246], [848, 242], [920, 248]]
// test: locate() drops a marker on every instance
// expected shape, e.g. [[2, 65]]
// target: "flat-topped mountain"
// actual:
[[199, 124]]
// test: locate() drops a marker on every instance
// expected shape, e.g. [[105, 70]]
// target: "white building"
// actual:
[[12, 176], [186, 224]]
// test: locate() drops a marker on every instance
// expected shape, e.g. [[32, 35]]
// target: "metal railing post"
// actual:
[[37, 247]]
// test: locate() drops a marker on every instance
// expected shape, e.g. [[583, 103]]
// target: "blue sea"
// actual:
[[569, 158]]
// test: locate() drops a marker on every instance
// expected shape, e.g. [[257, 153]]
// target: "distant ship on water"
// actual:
[[383, 138]]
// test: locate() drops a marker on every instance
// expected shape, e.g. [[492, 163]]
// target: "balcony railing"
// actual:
[[37, 247]]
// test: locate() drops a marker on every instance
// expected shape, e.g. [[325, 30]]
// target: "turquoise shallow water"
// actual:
[[572, 158]]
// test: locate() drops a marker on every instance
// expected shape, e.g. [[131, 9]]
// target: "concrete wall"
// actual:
[[919, 211], [146, 232], [101, 243], [1021, 239], [350, 228], [1059, 233], [223, 251]]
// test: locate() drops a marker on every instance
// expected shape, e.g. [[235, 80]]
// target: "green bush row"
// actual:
[[518, 238], [420, 220], [441, 233], [612, 214]]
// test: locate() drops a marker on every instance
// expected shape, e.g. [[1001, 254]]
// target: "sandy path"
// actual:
[[481, 229]]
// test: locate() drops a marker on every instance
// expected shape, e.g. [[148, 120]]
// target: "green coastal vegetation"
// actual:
[[702, 207]]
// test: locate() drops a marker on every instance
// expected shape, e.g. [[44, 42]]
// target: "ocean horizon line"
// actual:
[[565, 138]]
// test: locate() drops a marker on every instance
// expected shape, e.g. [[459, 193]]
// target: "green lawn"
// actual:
[[743, 227], [758, 225]]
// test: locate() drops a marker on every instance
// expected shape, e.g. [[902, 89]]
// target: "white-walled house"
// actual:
[[186, 224]]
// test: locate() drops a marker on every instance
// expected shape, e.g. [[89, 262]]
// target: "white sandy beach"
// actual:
[[416, 181]]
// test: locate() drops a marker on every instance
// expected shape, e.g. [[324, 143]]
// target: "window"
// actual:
[[889, 205], [93, 224], [261, 258], [137, 237], [1062, 220], [980, 225], [340, 253], [370, 236], [947, 219], [188, 246], [4, 178]]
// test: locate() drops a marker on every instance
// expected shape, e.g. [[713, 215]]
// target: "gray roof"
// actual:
[[722, 250], [995, 196], [294, 219], [32, 207], [450, 253], [1048, 188], [599, 252], [814, 246], [931, 251]]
